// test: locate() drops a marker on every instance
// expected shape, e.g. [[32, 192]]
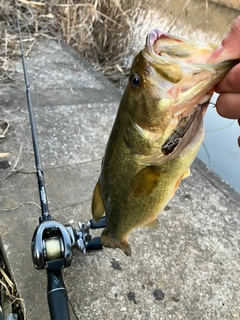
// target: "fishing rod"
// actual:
[[52, 242]]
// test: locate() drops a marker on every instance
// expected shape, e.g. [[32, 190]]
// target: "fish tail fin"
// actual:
[[97, 203], [107, 241]]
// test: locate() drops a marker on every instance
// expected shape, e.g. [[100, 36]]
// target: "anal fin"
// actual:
[[107, 241]]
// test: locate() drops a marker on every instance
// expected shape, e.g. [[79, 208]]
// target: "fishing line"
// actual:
[[207, 153], [221, 128]]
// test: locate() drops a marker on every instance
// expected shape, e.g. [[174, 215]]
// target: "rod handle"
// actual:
[[57, 296]]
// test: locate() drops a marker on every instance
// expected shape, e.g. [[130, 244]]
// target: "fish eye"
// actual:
[[135, 81]]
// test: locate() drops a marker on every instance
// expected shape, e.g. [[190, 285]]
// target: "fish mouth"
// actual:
[[186, 114]]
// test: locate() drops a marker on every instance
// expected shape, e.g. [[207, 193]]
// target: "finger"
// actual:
[[230, 46], [231, 82], [228, 105]]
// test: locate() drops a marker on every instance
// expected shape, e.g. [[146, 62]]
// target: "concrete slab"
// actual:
[[188, 269]]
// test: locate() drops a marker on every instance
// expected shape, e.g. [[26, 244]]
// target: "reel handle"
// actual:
[[94, 244], [102, 222]]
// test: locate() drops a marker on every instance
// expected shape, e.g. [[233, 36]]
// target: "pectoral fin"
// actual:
[[185, 175], [97, 203], [153, 224], [145, 181]]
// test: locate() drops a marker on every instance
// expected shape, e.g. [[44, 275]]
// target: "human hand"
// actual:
[[228, 102]]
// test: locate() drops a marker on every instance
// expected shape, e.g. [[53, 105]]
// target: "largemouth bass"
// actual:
[[156, 135]]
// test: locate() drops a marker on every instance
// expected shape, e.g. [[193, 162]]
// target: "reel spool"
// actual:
[[53, 248]]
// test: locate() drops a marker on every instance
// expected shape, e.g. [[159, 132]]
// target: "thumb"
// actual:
[[229, 49]]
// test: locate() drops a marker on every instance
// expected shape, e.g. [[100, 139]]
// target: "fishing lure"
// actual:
[[182, 127]]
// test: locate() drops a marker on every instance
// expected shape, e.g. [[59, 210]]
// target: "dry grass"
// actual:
[[9, 298], [100, 30]]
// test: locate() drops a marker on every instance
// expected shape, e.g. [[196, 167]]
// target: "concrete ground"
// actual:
[[188, 269]]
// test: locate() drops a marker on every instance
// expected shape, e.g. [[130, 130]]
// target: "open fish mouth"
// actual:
[[179, 58], [170, 46]]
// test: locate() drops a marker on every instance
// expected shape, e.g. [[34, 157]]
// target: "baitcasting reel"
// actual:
[[52, 242]]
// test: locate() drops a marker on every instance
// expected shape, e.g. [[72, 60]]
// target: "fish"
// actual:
[[156, 135]]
